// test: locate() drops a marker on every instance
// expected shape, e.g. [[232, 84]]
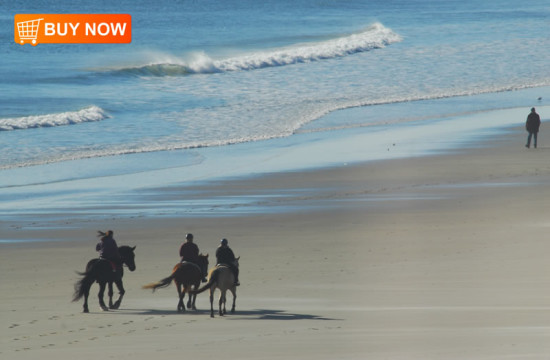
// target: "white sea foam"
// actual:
[[91, 113], [374, 37]]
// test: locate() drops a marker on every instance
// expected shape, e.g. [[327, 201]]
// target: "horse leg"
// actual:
[[221, 303], [121, 293], [234, 292], [194, 307], [181, 294], [110, 293], [85, 306], [189, 296], [211, 302], [193, 297], [100, 296]]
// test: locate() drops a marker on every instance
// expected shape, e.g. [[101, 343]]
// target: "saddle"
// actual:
[[223, 265], [113, 264], [191, 263], [233, 269]]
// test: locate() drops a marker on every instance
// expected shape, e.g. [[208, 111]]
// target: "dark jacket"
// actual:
[[189, 252], [533, 122], [224, 255], [108, 249]]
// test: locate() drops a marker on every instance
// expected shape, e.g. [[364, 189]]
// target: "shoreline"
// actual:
[[108, 191], [269, 193]]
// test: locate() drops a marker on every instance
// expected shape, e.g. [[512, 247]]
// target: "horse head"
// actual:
[[236, 262], [127, 256], [203, 264]]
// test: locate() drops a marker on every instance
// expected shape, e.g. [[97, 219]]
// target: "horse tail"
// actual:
[[83, 285], [160, 284], [213, 278]]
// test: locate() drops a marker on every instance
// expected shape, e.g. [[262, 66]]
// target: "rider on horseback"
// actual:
[[189, 251], [108, 249], [224, 255]]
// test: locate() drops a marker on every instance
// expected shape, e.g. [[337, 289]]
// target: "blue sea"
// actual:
[[214, 88]]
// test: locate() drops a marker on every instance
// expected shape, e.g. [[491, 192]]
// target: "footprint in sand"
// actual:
[[14, 326]]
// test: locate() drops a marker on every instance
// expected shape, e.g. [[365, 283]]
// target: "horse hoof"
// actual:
[[85, 311]]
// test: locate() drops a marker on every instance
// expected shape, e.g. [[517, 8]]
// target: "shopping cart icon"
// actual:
[[28, 30]]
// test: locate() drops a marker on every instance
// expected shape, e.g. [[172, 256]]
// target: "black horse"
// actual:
[[101, 271]]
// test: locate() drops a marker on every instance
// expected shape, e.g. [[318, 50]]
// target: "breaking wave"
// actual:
[[375, 37], [92, 113]]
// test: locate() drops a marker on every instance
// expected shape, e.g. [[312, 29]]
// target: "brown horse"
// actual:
[[221, 277], [186, 275]]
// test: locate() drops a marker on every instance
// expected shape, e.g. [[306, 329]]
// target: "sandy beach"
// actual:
[[436, 257]]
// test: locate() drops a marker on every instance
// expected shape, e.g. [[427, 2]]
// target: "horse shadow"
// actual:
[[255, 314], [271, 314], [155, 312]]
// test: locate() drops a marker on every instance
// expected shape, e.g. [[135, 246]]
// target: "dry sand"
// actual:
[[439, 257]]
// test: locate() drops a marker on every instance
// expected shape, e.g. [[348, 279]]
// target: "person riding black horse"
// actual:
[[108, 249], [224, 255], [189, 251]]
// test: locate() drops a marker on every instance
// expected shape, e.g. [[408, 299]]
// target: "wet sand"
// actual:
[[435, 257]]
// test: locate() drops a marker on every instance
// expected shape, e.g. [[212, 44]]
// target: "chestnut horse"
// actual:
[[186, 275], [100, 270], [221, 277]]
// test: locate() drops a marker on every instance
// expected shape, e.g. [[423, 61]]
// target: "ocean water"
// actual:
[[212, 74]]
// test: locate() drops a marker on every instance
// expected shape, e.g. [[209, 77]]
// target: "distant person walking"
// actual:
[[532, 126]]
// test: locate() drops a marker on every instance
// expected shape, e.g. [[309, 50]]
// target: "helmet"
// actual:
[[189, 236], [224, 241]]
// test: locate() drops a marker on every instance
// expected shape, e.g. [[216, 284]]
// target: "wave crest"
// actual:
[[374, 37], [91, 113]]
